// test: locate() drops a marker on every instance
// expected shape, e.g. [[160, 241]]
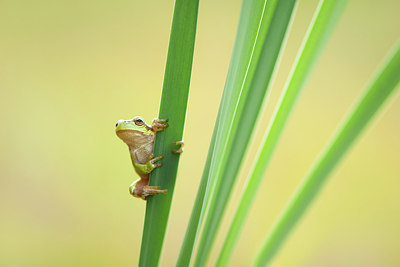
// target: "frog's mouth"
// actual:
[[133, 137]]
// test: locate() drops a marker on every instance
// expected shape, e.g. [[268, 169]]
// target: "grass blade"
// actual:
[[186, 253], [173, 106], [271, 27], [326, 15], [368, 104], [234, 90], [239, 61]]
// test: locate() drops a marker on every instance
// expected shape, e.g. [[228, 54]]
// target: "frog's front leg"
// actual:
[[158, 125], [180, 149], [140, 188], [149, 166], [151, 161]]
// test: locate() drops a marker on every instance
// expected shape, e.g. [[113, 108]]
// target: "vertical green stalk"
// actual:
[[185, 255], [242, 56], [368, 104], [323, 22], [236, 73], [173, 107]]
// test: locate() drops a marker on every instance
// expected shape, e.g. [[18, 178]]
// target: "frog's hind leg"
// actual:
[[150, 190], [180, 150]]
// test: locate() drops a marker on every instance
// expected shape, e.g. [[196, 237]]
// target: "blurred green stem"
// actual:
[[196, 216], [368, 104], [323, 22], [267, 22]]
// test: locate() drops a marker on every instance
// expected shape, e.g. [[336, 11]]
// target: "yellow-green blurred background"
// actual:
[[70, 69]]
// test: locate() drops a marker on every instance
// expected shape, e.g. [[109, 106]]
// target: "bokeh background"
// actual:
[[70, 69]]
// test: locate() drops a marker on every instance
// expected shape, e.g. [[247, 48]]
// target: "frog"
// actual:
[[140, 137]]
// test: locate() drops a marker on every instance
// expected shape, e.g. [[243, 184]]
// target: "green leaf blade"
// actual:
[[321, 26], [186, 252], [368, 104], [271, 29], [173, 107]]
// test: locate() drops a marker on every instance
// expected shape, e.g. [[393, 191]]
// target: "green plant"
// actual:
[[259, 42], [325, 17], [176, 83], [383, 84]]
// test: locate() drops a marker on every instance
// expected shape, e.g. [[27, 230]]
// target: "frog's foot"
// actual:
[[153, 159], [180, 150], [149, 190], [159, 125]]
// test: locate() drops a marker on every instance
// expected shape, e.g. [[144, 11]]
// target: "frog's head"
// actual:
[[132, 131]]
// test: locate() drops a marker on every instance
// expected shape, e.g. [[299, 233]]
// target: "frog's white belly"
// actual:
[[141, 154]]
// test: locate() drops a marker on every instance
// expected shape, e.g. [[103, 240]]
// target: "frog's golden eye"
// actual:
[[139, 122]]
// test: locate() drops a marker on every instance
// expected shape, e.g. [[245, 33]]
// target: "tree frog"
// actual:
[[140, 137]]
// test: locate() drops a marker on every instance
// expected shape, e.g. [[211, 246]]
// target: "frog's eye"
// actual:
[[139, 122], [116, 125]]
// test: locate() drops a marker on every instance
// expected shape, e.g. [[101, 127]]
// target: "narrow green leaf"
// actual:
[[237, 68], [268, 32], [185, 255], [234, 90], [385, 82], [325, 17], [173, 107]]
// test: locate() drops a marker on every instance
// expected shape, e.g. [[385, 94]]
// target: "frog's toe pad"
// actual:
[[156, 165], [159, 125], [180, 149], [153, 160]]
